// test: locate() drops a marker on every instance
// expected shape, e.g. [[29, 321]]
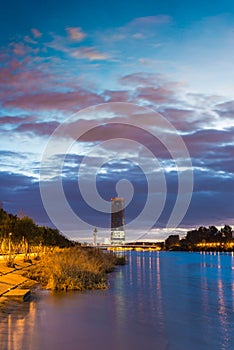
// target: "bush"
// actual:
[[74, 269]]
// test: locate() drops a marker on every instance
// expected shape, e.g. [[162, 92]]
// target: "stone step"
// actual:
[[18, 294]]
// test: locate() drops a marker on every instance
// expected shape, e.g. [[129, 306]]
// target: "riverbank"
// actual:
[[64, 269], [74, 268]]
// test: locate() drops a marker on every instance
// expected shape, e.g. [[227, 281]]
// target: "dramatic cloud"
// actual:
[[18, 80], [153, 89], [69, 101], [159, 62], [14, 187]]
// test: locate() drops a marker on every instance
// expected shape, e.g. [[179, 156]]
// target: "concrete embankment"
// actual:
[[13, 284]]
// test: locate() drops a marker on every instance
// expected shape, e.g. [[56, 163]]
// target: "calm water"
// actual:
[[159, 300]]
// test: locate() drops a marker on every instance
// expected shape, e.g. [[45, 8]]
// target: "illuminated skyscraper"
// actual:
[[117, 221]]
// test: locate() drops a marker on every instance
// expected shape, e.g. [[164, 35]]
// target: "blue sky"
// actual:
[[171, 60]]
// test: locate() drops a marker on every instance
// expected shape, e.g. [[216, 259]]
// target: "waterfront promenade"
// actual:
[[12, 282]]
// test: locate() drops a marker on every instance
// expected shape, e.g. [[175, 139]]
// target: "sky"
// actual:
[[102, 99]]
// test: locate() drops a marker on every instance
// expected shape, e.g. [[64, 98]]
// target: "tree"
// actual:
[[226, 232]]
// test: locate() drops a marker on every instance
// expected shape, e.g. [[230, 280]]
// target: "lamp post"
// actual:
[[9, 248], [10, 260]]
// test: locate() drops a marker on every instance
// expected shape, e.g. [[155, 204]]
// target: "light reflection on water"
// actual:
[[159, 300]]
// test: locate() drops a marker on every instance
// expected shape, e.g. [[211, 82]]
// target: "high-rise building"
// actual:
[[117, 221]]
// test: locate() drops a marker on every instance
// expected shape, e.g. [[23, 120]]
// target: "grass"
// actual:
[[74, 269]]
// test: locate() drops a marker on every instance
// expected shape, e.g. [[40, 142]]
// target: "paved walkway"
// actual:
[[10, 281], [11, 278]]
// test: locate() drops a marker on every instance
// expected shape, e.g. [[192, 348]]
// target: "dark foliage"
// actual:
[[25, 229]]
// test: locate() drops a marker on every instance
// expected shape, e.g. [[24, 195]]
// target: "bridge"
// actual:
[[132, 246]]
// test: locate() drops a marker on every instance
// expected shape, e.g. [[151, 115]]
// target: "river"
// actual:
[[157, 301]]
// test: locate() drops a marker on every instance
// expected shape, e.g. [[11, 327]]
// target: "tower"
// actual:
[[95, 237], [117, 221]]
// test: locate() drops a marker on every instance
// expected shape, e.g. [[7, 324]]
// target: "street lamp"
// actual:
[[10, 234]]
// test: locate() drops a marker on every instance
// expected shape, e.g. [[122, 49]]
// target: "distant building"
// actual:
[[95, 237], [117, 221]]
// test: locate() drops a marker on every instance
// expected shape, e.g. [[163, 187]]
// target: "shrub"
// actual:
[[74, 268]]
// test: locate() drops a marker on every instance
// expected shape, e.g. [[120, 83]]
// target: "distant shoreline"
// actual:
[[175, 249]]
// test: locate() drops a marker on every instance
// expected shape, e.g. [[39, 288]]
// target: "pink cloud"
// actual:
[[30, 40], [138, 36], [152, 88], [206, 142], [70, 101], [36, 33], [137, 29], [20, 49], [142, 79], [15, 64], [155, 94], [206, 147], [186, 119], [75, 34], [44, 128], [151, 20], [101, 130], [117, 96], [13, 120], [58, 43], [16, 80], [89, 53]]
